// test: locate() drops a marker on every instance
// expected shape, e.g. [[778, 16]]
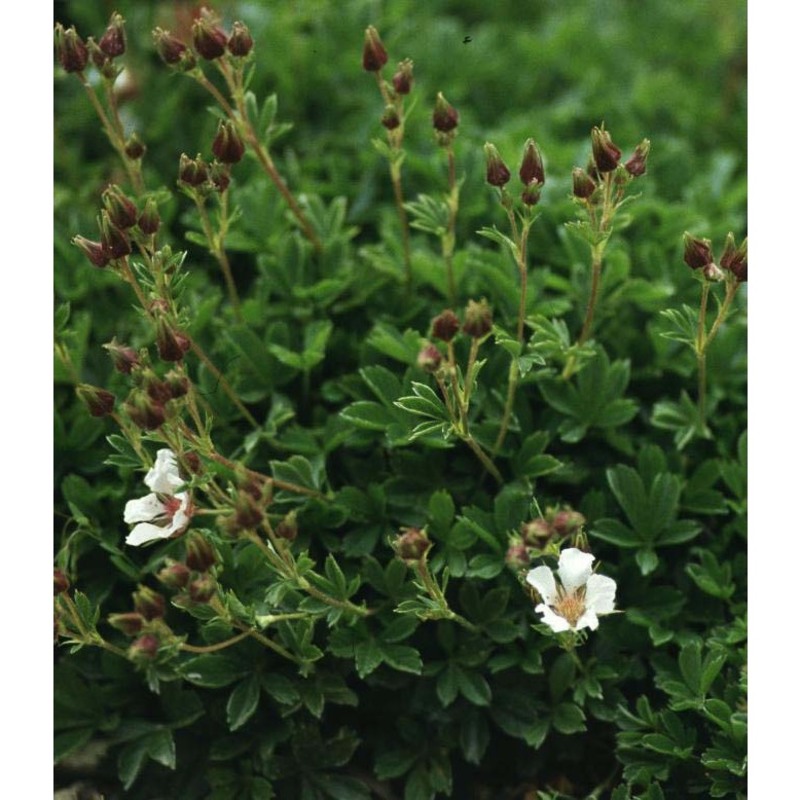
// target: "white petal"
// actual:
[[145, 532], [600, 592], [182, 516], [164, 476], [144, 509], [587, 620], [542, 579], [574, 567], [549, 617]]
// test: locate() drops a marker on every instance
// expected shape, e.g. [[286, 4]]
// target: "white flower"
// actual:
[[580, 597], [170, 510]]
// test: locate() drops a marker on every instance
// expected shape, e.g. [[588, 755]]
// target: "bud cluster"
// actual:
[[411, 545], [446, 326], [445, 121], [531, 171], [698, 255], [556, 525]]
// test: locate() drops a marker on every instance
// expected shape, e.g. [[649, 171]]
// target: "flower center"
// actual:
[[171, 505], [570, 605]]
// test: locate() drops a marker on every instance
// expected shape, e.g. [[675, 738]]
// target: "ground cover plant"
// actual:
[[400, 405]]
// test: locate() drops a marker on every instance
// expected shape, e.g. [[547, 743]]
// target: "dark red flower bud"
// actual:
[[531, 194], [636, 165], [477, 319], [115, 241], [125, 359], [112, 42], [697, 252], [374, 56], [247, 514], [157, 390], [517, 555], [404, 77], [202, 589], [94, 251], [171, 344], [735, 258], [192, 171], [287, 527], [60, 582], [121, 209], [228, 146], [73, 54], [145, 412], [532, 167], [390, 119], [129, 623], [177, 384], [240, 42], [99, 402], [200, 553], [209, 39], [445, 326], [445, 117], [149, 603], [100, 59], [583, 186], [497, 173], [193, 463], [220, 176], [145, 648], [537, 532], [567, 522], [134, 147], [411, 545], [429, 358], [175, 575], [605, 153], [149, 220], [171, 49]]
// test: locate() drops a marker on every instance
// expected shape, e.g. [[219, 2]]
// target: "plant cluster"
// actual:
[[446, 501]]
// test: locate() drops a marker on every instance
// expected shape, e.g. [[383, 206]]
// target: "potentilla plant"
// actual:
[[315, 562]]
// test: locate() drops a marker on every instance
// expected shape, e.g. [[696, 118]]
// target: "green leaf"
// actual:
[[647, 560], [473, 737], [369, 415], [161, 747], [69, 742], [568, 718], [212, 670], [615, 532], [683, 530], [394, 763], [243, 701], [368, 657], [629, 490], [561, 676], [447, 684], [130, 761], [691, 666], [402, 657], [384, 385], [441, 510], [474, 687]]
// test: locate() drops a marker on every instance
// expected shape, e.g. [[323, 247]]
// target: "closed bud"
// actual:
[[157, 389], [429, 358], [636, 165], [202, 589], [149, 220], [532, 168], [735, 258], [228, 146], [149, 603], [112, 42], [145, 412], [134, 147], [517, 555], [145, 648], [171, 344], [125, 359], [497, 173], [697, 252], [220, 176], [287, 527], [404, 77], [129, 623], [411, 545], [445, 117], [583, 187], [99, 402], [121, 209], [114, 240], [94, 251], [100, 59], [209, 39], [477, 319], [374, 56], [192, 171], [390, 119], [200, 555], [445, 326], [240, 42], [171, 49], [537, 532], [531, 194], [566, 522], [73, 54], [177, 384], [60, 582], [247, 513], [605, 153], [175, 575], [193, 463]]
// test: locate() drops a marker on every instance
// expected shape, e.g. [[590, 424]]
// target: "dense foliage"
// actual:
[[350, 484]]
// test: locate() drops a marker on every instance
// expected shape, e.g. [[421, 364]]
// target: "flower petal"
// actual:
[[144, 509], [164, 476], [542, 579], [600, 593], [574, 568], [182, 516], [146, 532], [587, 620], [549, 617]]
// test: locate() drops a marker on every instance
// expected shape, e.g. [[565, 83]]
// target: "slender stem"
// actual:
[[436, 594], [449, 238], [513, 379], [468, 377], [127, 274], [132, 167], [211, 648], [700, 350], [597, 263], [214, 92], [397, 185], [482, 457], [278, 484], [730, 293]]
